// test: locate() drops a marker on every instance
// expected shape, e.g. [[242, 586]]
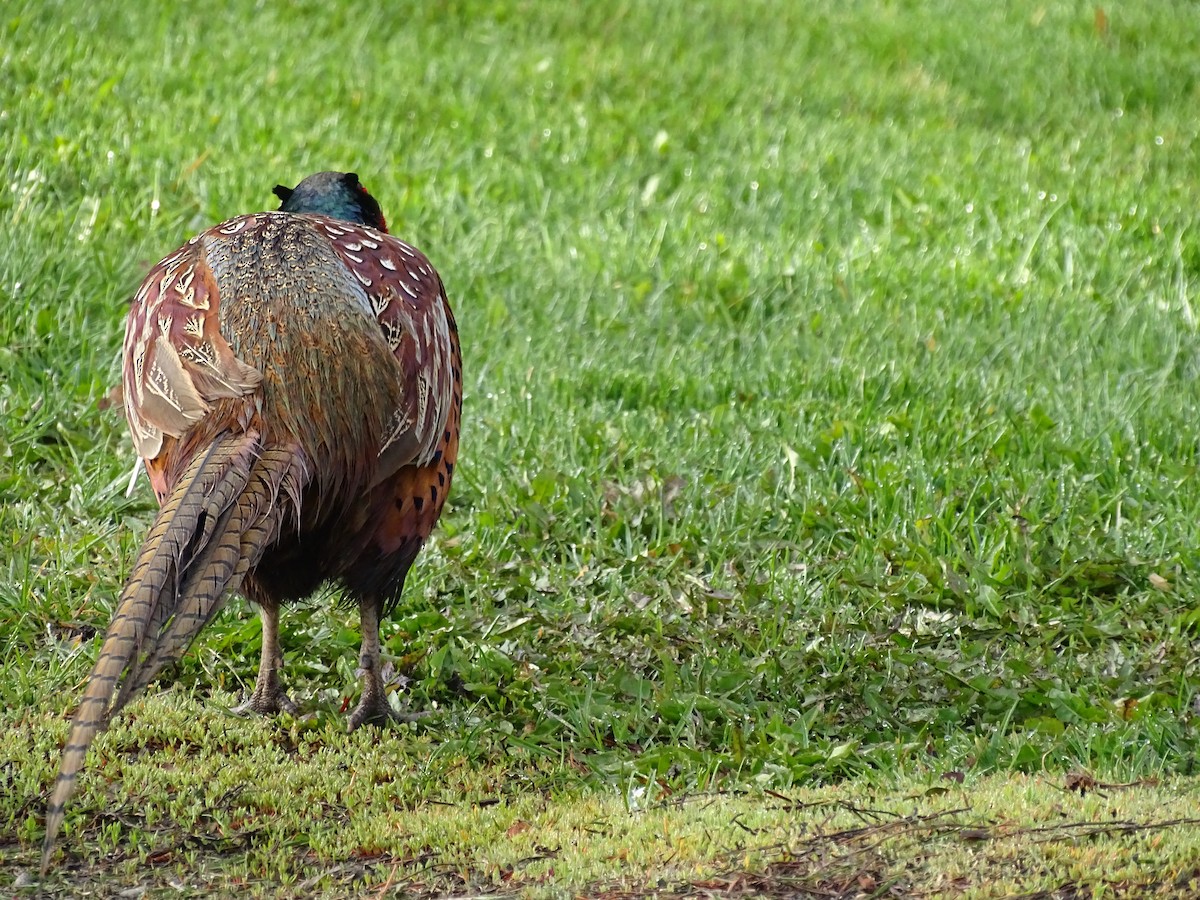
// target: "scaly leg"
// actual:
[[269, 696], [373, 708]]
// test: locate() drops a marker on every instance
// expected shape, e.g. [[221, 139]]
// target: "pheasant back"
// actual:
[[293, 386]]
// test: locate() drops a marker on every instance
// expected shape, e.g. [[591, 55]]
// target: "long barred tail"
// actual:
[[215, 525]]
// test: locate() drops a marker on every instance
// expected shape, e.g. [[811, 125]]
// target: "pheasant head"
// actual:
[[339, 195]]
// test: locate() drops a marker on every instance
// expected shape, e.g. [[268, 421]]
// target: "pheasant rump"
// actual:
[[293, 385]]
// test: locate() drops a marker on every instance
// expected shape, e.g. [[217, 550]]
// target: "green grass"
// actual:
[[830, 424]]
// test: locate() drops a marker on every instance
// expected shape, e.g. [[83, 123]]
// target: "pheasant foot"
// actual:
[[268, 698], [375, 710], [373, 707]]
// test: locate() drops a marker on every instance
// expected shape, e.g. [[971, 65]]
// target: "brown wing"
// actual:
[[409, 303], [176, 361]]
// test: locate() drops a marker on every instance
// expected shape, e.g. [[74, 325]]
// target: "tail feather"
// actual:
[[207, 583], [280, 476], [217, 508], [244, 531], [181, 576]]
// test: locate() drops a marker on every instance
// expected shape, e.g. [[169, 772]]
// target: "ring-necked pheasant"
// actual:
[[293, 385]]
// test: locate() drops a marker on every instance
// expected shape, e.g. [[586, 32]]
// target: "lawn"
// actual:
[[827, 517]]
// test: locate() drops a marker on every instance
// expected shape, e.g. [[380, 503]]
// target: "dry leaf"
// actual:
[[517, 827], [114, 398], [671, 490], [1080, 781], [1128, 707]]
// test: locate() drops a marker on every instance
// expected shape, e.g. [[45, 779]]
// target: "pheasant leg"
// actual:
[[373, 707], [269, 696]]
